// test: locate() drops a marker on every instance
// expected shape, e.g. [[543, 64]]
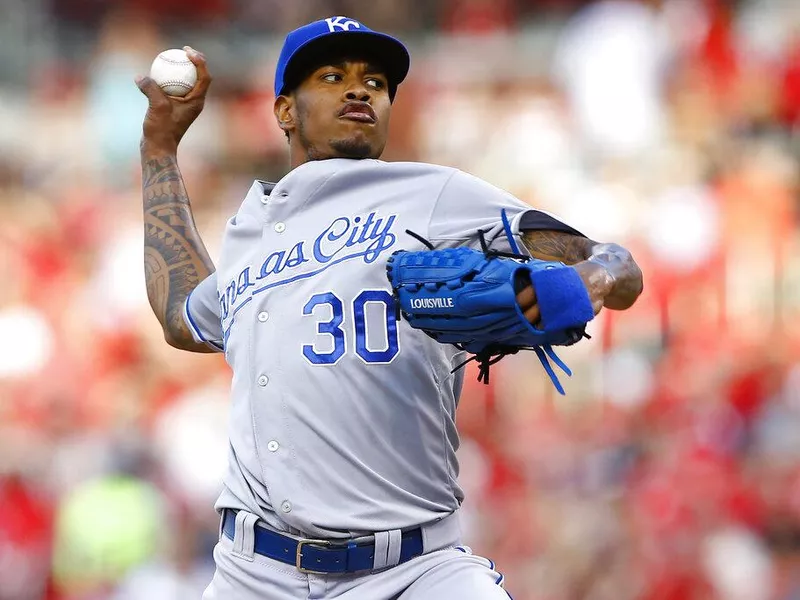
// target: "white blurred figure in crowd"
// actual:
[[737, 564], [192, 447], [609, 60], [127, 41]]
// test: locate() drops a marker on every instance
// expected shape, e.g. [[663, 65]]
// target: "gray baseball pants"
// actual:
[[446, 571]]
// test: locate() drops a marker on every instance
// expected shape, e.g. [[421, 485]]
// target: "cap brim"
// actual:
[[390, 54]]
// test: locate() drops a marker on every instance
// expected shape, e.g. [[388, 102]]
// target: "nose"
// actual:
[[358, 92]]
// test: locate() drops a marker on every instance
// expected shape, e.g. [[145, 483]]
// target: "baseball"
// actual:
[[174, 72]]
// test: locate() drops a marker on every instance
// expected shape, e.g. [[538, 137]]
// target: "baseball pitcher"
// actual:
[[345, 299]]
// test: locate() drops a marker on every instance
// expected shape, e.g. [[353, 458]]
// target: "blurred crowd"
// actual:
[[670, 471]]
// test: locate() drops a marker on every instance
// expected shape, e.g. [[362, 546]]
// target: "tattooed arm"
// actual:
[[612, 277], [175, 259]]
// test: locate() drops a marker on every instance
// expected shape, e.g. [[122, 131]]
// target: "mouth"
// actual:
[[358, 111]]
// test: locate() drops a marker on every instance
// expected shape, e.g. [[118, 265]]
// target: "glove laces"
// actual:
[[493, 354]]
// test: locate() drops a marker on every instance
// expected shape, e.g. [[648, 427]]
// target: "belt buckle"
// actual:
[[299, 555]]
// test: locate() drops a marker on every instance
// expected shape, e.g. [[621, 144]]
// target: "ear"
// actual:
[[285, 113]]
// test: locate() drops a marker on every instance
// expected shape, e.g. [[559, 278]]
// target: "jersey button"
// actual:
[[280, 227], [263, 380], [263, 316], [264, 199], [273, 446], [286, 506]]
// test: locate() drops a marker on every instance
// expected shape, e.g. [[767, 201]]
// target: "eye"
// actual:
[[376, 83], [332, 77]]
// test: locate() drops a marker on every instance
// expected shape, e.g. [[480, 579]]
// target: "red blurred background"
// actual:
[[671, 470]]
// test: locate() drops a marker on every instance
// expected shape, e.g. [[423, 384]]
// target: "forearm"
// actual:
[[175, 259]]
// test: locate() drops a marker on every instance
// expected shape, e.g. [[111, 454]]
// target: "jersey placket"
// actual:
[[274, 448]]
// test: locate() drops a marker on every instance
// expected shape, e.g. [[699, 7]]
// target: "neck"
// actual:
[[299, 156]]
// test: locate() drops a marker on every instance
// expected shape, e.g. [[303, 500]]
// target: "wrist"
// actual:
[[150, 149]]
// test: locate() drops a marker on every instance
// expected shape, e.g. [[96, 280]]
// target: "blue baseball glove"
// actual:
[[467, 297]]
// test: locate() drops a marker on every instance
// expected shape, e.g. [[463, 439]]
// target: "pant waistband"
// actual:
[[316, 556]]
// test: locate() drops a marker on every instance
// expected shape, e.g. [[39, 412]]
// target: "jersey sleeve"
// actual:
[[468, 204], [201, 313]]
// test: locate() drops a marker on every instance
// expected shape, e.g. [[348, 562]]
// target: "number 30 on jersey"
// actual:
[[336, 329]]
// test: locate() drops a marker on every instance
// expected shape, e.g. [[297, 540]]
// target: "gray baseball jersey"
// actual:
[[343, 418]]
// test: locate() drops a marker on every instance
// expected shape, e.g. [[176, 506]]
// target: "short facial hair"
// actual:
[[346, 148]]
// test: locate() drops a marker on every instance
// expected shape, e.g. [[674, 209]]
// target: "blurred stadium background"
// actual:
[[672, 468]]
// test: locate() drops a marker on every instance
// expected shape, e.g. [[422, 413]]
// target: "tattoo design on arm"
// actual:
[[175, 259], [557, 246]]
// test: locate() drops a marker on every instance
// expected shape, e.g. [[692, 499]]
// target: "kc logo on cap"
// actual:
[[341, 24]]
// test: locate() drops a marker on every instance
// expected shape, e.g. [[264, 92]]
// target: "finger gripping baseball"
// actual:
[[468, 298]]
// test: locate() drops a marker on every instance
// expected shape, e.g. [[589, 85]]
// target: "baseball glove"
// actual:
[[467, 298]]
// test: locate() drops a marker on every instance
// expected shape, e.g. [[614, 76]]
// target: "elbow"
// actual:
[[622, 302], [177, 341], [176, 333], [626, 294], [183, 340], [637, 283], [171, 339]]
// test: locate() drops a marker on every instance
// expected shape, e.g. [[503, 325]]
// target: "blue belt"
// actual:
[[321, 556]]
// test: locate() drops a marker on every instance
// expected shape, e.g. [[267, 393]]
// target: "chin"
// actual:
[[354, 148]]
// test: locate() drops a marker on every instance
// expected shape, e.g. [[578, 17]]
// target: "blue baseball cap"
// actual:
[[306, 46]]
